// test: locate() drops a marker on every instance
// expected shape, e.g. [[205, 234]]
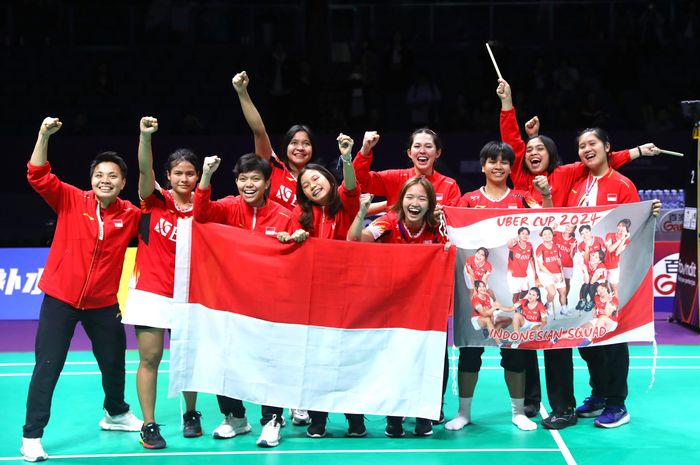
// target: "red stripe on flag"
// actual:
[[638, 310], [336, 284]]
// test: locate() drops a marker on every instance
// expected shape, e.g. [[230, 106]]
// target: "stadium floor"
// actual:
[[664, 426]]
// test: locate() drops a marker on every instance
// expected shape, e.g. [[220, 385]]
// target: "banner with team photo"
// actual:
[[552, 278]]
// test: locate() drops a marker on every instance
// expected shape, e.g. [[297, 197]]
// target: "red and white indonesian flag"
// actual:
[[324, 325], [472, 228]]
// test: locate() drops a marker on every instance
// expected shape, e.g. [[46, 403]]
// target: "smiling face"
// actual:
[[299, 150], [423, 152], [479, 256], [547, 235], [415, 204], [602, 292], [536, 156], [593, 152], [524, 235], [107, 182], [481, 288], [532, 296], [252, 186], [183, 178], [316, 187], [621, 229], [496, 171]]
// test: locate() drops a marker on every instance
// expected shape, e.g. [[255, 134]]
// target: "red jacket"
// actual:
[[327, 227], [83, 270], [389, 183], [561, 180], [233, 211]]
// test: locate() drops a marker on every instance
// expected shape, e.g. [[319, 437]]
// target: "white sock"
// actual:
[[464, 415], [519, 418]]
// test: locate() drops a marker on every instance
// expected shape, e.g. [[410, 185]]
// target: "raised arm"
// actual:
[[147, 179], [211, 164], [357, 231], [369, 181], [40, 153], [263, 147], [345, 144]]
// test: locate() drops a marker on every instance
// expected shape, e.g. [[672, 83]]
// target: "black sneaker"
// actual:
[[151, 438], [356, 427], [424, 427], [560, 419], [192, 425], [581, 303], [394, 427], [317, 429], [441, 420], [531, 410]]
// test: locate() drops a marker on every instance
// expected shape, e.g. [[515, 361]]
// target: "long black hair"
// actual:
[[306, 219]]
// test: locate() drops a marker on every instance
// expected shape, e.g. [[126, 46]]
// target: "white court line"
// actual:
[[486, 357], [293, 452], [79, 373], [29, 364], [559, 440]]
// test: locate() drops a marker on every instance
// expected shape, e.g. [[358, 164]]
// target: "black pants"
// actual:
[[268, 411], [317, 417], [57, 321], [559, 374], [470, 359], [230, 406], [533, 388], [608, 367]]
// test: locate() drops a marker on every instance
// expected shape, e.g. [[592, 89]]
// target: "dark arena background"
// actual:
[[350, 67]]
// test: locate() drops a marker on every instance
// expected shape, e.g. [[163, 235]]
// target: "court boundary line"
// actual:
[[132, 372], [292, 452], [133, 362], [556, 435]]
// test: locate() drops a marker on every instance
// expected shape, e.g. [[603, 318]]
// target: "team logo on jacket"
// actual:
[[270, 231], [612, 198], [166, 229], [118, 224], [286, 194]]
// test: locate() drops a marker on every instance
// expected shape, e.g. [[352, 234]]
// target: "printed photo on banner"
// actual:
[[552, 278]]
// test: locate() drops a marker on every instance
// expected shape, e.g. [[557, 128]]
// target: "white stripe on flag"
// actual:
[[182, 260], [376, 371]]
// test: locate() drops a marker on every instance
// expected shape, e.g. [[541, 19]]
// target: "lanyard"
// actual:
[[589, 186]]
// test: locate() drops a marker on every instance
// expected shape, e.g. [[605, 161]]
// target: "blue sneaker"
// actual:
[[612, 417], [592, 406]]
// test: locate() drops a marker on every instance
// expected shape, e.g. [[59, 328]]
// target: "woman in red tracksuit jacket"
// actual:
[[326, 211], [80, 282], [410, 221], [539, 156], [254, 211]]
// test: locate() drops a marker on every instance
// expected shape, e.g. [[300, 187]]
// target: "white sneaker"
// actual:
[[270, 436], [32, 450], [300, 417], [124, 422], [231, 426]]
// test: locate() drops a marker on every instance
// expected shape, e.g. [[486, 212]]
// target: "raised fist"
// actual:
[[240, 81], [211, 164], [148, 125], [50, 126]]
